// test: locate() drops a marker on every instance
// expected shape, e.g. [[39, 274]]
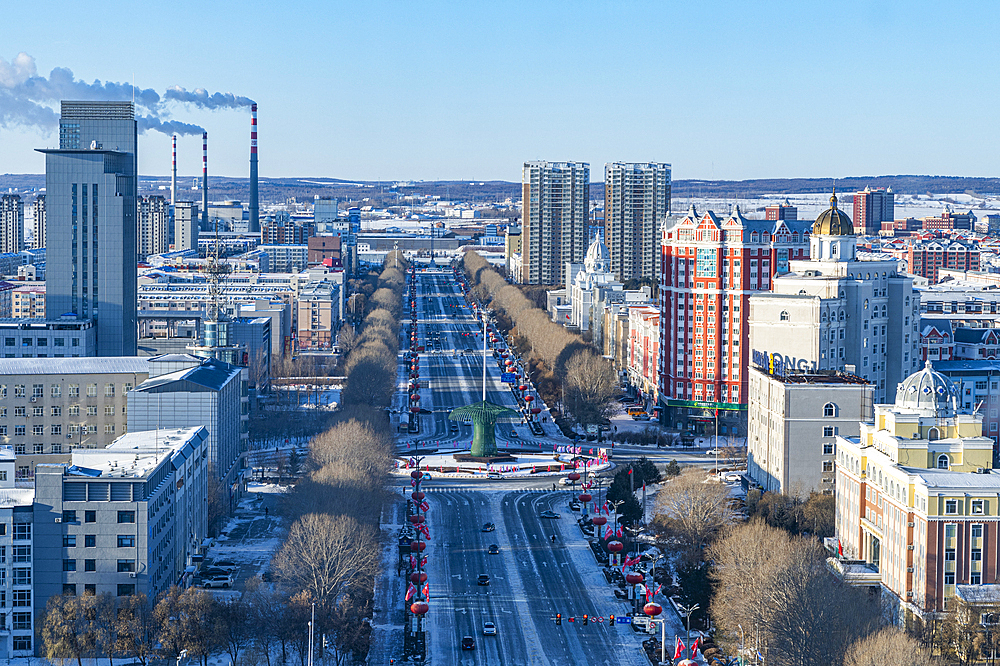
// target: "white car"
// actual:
[[225, 582], [713, 452], [565, 482], [489, 629]]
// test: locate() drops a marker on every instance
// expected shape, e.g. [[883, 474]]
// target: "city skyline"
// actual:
[[442, 91]]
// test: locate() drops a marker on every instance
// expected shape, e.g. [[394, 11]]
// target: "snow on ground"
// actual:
[[527, 465]]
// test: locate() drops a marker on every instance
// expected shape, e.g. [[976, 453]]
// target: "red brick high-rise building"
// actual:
[[925, 258], [709, 268], [872, 208], [782, 211]]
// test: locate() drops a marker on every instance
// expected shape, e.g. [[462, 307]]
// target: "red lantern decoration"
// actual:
[[419, 608], [416, 474], [634, 578], [536, 410], [652, 609], [573, 476], [418, 577], [417, 546], [599, 520], [417, 519], [585, 497], [529, 398], [415, 397], [522, 387], [614, 546], [418, 496], [414, 410], [503, 355]]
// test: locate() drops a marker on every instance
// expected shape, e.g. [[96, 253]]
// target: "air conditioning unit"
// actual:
[[34, 400], [910, 547], [132, 574], [909, 569], [910, 524], [58, 520]]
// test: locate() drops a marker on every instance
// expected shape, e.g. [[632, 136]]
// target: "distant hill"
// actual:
[[274, 190]]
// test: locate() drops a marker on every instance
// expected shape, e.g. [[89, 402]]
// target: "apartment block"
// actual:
[[318, 315], [11, 223], [926, 258], [51, 406], [285, 258], [38, 217], [872, 207], [28, 302], [555, 219], [154, 219], [636, 202], [46, 338], [185, 225]]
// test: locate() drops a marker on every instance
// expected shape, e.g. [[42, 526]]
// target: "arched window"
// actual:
[[829, 409], [884, 315], [784, 316], [841, 316], [942, 461], [755, 237], [933, 434]]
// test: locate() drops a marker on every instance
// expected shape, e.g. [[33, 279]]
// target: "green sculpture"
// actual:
[[484, 417]]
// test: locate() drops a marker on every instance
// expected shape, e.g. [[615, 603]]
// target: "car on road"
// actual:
[[453, 427], [549, 514], [493, 549], [211, 572], [513, 434], [565, 482], [489, 527], [641, 417], [733, 477], [225, 565], [495, 475], [489, 629], [225, 582], [484, 579], [468, 643], [713, 452]]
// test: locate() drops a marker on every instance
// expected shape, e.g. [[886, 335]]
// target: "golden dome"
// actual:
[[833, 221]]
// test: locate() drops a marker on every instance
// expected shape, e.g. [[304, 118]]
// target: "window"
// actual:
[[91, 390], [828, 431], [942, 463], [828, 449], [126, 541], [783, 316], [69, 516], [37, 430], [69, 565], [55, 411], [37, 390], [125, 566], [109, 390], [827, 466], [21, 643], [22, 531], [20, 411], [90, 541], [21, 553], [90, 516], [69, 540], [20, 621], [74, 390], [92, 410], [126, 516], [951, 507], [69, 589], [829, 409], [109, 410], [90, 565], [126, 589], [977, 507], [38, 411], [21, 576], [89, 589], [56, 430], [18, 390], [109, 428], [20, 598], [57, 446], [949, 577], [74, 410]]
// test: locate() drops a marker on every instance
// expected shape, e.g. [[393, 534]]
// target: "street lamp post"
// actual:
[[686, 612]]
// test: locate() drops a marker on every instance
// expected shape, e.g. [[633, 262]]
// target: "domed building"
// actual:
[[840, 312], [918, 500]]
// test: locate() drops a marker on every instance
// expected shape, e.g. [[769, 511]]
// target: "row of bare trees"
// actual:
[[587, 379]]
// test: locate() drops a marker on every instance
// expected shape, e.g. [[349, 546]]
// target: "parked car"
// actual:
[[489, 629], [495, 475], [565, 482], [713, 452], [484, 579], [549, 514], [641, 417], [226, 565], [493, 549], [468, 643], [224, 582]]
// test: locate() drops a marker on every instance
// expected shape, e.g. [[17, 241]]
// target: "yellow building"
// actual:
[[918, 503]]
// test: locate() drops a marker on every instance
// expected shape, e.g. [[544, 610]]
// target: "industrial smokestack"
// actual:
[[173, 176], [254, 210], [204, 180]]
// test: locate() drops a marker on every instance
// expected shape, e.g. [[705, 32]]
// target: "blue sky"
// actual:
[[449, 90]]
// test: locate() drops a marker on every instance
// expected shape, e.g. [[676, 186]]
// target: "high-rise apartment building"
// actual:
[[872, 208], [38, 235], [926, 258], [710, 267], [153, 219], [185, 225], [636, 202], [781, 211], [91, 197], [11, 223], [555, 210]]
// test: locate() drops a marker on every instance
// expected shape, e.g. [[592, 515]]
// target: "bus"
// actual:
[[635, 411]]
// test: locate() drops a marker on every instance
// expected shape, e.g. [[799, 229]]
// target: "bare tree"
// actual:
[[590, 388], [67, 631], [135, 628], [888, 647], [184, 622], [693, 508], [323, 555], [232, 626]]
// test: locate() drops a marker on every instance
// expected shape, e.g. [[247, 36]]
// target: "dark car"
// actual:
[[493, 549], [489, 527], [484, 579], [468, 643]]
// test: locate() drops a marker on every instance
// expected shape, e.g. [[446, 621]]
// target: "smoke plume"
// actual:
[[27, 99]]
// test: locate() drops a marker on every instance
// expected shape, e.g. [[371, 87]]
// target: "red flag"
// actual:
[[410, 591], [680, 648], [423, 562], [840, 548], [630, 471], [694, 648], [619, 533], [427, 592]]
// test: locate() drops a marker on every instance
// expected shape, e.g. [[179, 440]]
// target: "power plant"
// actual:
[[173, 175], [204, 180]]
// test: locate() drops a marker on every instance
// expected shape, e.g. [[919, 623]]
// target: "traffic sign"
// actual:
[[625, 619], [507, 377], [600, 619]]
